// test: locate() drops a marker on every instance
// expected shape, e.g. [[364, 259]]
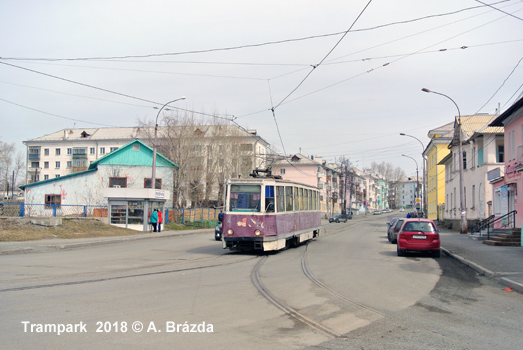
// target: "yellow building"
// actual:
[[436, 150]]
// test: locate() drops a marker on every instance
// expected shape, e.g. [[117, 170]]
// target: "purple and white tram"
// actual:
[[269, 214]]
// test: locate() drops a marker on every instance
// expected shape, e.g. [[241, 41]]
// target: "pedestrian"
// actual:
[[220, 216], [159, 221], [154, 219]]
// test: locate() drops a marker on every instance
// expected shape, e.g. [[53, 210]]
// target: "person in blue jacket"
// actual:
[[154, 219]]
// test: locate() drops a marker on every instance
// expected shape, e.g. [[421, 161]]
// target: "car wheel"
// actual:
[[436, 254], [400, 252]]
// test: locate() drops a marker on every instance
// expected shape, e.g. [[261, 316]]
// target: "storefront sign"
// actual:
[[494, 174]]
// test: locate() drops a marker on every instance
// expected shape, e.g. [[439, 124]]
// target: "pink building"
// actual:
[[507, 183]]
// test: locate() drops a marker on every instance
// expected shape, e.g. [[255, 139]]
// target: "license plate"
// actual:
[[419, 237]]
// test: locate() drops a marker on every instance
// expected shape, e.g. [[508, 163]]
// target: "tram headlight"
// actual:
[[230, 231], [257, 232]]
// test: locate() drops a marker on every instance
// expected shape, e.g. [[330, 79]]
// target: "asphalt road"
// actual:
[[346, 290]]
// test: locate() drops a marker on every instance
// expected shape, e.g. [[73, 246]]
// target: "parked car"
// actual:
[[395, 229], [418, 235], [339, 218], [377, 212], [218, 232], [391, 224]]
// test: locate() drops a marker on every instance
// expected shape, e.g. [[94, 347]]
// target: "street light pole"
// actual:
[[424, 181], [153, 177], [463, 211], [417, 177]]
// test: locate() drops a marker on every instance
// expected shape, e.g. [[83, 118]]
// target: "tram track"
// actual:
[[256, 280], [310, 276]]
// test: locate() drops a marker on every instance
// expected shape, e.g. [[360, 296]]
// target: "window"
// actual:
[[46, 177], [57, 176], [113, 149], [246, 147], [102, 150], [69, 164], [269, 199], [136, 147], [473, 158], [46, 165], [501, 154], [513, 145], [57, 151], [69, 151], [46, 151], [92, 150], [118, 182], [282, 171], [53, 199], [147, 183], [245, 198], [57, 165], [35, 164], [464, 160], [280, 198], [289, 199]]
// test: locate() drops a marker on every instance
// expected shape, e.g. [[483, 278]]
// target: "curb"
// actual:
[[518, 287]]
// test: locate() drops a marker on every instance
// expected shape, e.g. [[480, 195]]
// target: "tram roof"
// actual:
[[257, 180]]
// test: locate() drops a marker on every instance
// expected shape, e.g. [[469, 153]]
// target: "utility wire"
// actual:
[[495, 8], [324, 58], [504, 81], [126, 57]]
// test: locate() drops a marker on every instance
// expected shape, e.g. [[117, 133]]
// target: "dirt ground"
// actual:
[[15, 229], [21, 229]]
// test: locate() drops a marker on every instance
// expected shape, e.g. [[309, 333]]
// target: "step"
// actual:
[[506, 239], [503, 244]]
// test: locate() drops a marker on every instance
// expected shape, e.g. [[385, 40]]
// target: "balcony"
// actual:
[[34, 156], [80, 156]]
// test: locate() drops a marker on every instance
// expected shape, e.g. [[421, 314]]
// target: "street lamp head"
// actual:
[[402, 134], [425, 90]]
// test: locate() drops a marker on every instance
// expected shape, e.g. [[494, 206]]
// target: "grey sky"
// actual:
[[365, 92]]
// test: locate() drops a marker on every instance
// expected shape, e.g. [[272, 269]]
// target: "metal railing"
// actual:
[[506, 221], [51, 210], [482, 224]]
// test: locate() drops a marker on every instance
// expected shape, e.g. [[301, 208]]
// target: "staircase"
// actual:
[[511, 238]]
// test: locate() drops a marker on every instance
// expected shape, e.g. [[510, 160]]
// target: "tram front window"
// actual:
[[245, 198]]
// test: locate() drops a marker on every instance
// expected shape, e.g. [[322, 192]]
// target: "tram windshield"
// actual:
[[245, 198]]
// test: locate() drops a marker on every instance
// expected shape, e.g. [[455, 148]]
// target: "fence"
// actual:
[[51, 210], [191, 215], [178, 215]]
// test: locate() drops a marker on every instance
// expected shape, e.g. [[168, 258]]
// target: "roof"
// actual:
[[125, 155], [499, 121], [130, 156], [473, 125], [131, 133]]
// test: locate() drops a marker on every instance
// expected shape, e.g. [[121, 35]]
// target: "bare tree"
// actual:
[[12, 164], [206, 154], [387, 171]]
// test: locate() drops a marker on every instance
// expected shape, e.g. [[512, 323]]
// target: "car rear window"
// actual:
[[419, 226]]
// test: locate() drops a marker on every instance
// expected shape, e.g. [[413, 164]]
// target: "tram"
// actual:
[[268, 213]]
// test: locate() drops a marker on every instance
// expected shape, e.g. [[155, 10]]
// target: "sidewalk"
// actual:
[[502, 263]]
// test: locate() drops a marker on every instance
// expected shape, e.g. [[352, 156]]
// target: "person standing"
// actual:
[[154, 219], [159, 221]]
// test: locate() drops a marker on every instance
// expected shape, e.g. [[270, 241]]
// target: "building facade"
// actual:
[[436, 150], [508, 183], [483, 150]]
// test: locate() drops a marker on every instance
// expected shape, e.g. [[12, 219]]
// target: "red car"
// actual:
[[418, 235]]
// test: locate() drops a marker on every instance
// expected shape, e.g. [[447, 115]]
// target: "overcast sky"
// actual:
[[239, 59]]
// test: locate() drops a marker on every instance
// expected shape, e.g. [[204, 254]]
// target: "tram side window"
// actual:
[[280, 198], [289, 198], [245, 198], [301, 198], [306, 199], [315, 200], [269, 199]]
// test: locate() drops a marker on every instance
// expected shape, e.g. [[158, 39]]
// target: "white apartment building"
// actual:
[[483, 150]]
